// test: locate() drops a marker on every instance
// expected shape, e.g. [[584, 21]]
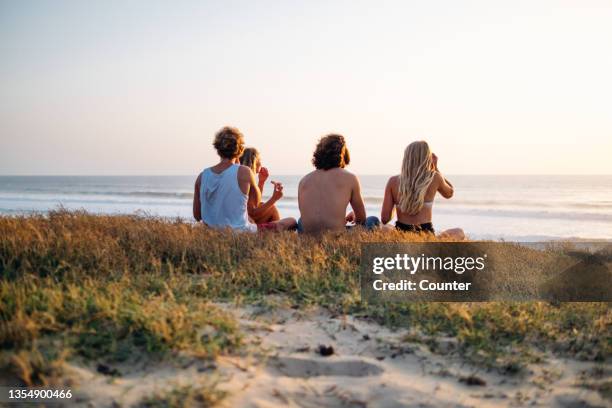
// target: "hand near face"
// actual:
[[278, 190], [263, 174], [434, 161]]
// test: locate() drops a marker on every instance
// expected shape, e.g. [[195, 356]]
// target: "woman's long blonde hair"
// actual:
[[416, 176], [249, 158]]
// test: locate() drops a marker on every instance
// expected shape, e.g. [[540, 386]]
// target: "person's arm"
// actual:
[[256, 210], [197, 205], [357, 203], [388, 205], [445, 188], [254, 193], [262, 176], [253, 207]]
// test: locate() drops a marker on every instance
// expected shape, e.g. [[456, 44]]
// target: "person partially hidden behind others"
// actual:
[[324, 194], [259, 212], [223, 190], [412, 192]]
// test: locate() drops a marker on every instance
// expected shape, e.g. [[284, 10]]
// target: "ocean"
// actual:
[[512, 208]]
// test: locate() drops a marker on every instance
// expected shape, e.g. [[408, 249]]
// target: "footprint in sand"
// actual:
[[305, 368]]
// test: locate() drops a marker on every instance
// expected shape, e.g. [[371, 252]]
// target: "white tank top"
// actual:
[[223, 203]]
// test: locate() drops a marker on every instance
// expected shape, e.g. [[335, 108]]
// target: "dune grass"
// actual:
[[114, 288], [185, 396]]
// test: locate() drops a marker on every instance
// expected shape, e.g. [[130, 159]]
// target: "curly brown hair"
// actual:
[[229, 143], [331, 152]]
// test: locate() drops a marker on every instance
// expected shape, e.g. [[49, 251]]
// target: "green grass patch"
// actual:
[[74, 285]]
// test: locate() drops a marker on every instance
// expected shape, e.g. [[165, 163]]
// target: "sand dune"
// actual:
[[371, 366]]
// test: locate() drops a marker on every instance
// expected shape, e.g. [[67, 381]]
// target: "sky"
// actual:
[[141, 87]]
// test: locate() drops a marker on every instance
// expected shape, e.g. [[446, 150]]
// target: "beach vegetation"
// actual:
[[112, 289]]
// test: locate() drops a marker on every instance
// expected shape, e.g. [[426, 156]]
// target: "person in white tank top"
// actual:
[[222, 202], [222, 191]]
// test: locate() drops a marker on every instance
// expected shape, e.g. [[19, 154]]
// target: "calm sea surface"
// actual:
[[486, 207]]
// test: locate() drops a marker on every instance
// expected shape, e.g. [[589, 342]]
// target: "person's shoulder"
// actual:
[[342, 172], [244, 169], [343, 175], [436, 180], [307, 177], [245, 173], [393, 179], [348, 178], [201, 175]]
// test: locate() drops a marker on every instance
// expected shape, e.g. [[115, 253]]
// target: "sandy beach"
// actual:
[[132, 311], [371, 366]]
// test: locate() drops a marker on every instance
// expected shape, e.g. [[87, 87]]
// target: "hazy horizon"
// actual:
[[302, 174], [140, 88]]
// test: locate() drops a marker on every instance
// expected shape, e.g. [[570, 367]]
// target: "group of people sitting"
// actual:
[[229, 194]]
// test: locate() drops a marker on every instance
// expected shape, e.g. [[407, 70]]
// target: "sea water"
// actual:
[[519, 208]]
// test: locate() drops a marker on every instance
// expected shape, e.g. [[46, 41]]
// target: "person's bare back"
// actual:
[[323, 197], [324, 194]]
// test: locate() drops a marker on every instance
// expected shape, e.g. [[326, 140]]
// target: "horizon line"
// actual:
[[296, 175]]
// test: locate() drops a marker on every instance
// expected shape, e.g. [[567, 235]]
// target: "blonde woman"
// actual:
[[412, 192], [260, 212]]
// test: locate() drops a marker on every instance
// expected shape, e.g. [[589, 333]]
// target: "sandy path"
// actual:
[[371, 367]]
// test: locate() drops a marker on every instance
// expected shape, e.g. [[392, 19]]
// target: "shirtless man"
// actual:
[[324, 194]]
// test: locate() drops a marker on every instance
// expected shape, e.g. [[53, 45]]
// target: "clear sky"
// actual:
[[140, 87]]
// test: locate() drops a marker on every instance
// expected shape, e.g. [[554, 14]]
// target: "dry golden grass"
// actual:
[[115, 288]]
